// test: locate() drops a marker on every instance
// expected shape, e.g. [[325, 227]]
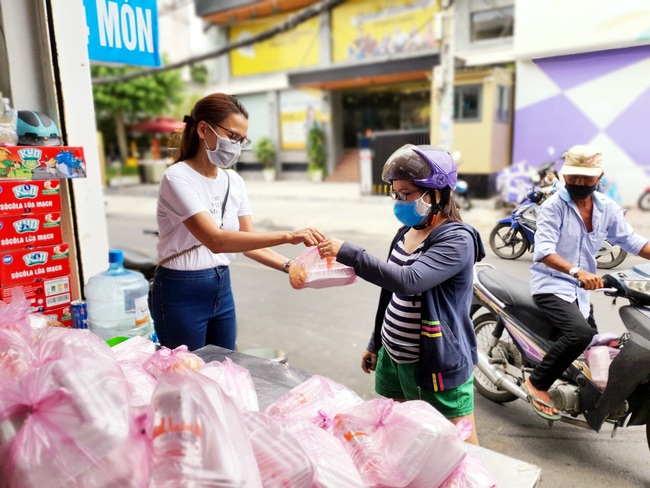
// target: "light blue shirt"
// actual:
[[560, 230]]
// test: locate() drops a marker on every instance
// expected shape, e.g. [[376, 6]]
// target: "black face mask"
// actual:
[[580, 192]]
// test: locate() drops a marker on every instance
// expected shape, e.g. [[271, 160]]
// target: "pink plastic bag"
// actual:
[[235, 381], [309, 270], [400, 444], [281, 459], [333, 466], [129, 465], [131, 355], [15, 315], [199, 438], [471, 472], [60, 419], [165, 358], [315, 400]]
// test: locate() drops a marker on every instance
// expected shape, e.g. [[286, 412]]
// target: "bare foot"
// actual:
[[542, 395]]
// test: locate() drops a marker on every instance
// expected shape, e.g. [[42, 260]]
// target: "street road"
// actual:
[[325, 332]]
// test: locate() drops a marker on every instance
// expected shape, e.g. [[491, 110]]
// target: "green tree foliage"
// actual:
[[265, 152], [128, 102]]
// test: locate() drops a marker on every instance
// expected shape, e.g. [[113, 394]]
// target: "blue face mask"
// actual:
[[411, 213]]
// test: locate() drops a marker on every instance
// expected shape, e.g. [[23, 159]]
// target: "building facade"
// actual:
[[585, 81], [365, 67]]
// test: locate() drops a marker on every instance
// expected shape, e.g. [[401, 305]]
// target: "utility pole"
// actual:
[[442, 92]]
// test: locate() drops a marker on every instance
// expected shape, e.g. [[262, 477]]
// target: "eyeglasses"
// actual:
[[235, 137], [404, 196]]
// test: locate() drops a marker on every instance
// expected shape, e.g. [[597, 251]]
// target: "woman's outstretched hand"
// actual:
[[330, 248], [309, 236]]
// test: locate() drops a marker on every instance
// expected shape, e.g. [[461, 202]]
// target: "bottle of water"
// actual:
[[117, 301]]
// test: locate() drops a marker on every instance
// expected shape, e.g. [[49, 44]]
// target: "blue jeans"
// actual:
[[194, 308]]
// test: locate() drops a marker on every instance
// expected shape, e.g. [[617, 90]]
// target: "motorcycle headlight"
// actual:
[[640, 286]]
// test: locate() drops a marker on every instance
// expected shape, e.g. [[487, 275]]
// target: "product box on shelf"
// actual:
[[17, 198], [43, 294], [27, 265], [42, 162], [36, 229], [62, 314]]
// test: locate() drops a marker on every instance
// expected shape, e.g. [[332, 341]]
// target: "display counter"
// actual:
[[272, 379]]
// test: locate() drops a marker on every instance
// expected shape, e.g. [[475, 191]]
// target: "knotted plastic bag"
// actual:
[[165, 358], [471, 472], [235, 381], [309, 270], [400, 444], [280, 457]]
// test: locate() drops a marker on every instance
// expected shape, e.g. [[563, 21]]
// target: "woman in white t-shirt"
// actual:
[[204, 218]]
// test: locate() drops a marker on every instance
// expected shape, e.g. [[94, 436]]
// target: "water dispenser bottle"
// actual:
[[117, 301]]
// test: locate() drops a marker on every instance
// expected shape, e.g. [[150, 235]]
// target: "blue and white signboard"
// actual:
[[123, 31]]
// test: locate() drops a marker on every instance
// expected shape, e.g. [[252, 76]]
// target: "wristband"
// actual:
[[285, 264]]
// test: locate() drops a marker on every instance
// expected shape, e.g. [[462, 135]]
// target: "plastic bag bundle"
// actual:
[[199, 438], [235, 381], [333, 466], [53, 343], [60, 419], [281, 459], [14, 316], [315, 400], [128, 465], [400, 444], [131, 355], [471, 472], [165, 358], [309, 270]]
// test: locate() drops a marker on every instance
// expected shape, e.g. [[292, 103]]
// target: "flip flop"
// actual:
[[533, 399]]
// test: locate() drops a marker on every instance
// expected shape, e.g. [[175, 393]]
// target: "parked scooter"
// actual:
[[644, 200], [513, 337], [514, 235]]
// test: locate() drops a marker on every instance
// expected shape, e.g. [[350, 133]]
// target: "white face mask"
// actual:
[[225, 154]]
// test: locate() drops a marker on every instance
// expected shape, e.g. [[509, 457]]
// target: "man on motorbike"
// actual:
[[571, 227]]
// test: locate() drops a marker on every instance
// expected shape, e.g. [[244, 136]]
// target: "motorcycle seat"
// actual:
[[518, 301]]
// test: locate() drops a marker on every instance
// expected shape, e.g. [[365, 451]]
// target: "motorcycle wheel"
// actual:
[[644, 201], [483, 327], [508, 243], [610, 256]]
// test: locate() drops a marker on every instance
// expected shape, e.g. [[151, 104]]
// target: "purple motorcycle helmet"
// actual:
[[426, 166]]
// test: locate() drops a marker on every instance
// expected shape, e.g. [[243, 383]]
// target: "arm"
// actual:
[[204, 228], [645, 251], [436, 265], [267, 257]]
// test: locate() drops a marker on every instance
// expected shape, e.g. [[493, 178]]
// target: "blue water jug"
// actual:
[[117, 301]]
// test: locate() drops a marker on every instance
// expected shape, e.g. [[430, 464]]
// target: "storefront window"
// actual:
[[492, 24], [503, 104], [467, 103]]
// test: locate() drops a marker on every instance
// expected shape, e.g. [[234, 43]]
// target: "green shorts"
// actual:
[[400, 382]]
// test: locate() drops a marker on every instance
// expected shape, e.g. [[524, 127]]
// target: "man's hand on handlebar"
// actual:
[[589, 280]]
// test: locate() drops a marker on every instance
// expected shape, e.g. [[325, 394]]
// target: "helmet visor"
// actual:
[[405, 164]]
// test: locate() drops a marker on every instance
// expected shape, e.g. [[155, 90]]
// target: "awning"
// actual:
[[159, 124], [378, 71]]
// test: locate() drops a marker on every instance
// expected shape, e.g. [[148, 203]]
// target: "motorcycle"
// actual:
[[514, 235], [513, 337], [644, 200]]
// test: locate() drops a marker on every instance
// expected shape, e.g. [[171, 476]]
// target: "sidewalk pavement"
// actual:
[[333, 208]]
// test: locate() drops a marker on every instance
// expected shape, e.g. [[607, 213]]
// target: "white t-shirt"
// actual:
[[184, 192]]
